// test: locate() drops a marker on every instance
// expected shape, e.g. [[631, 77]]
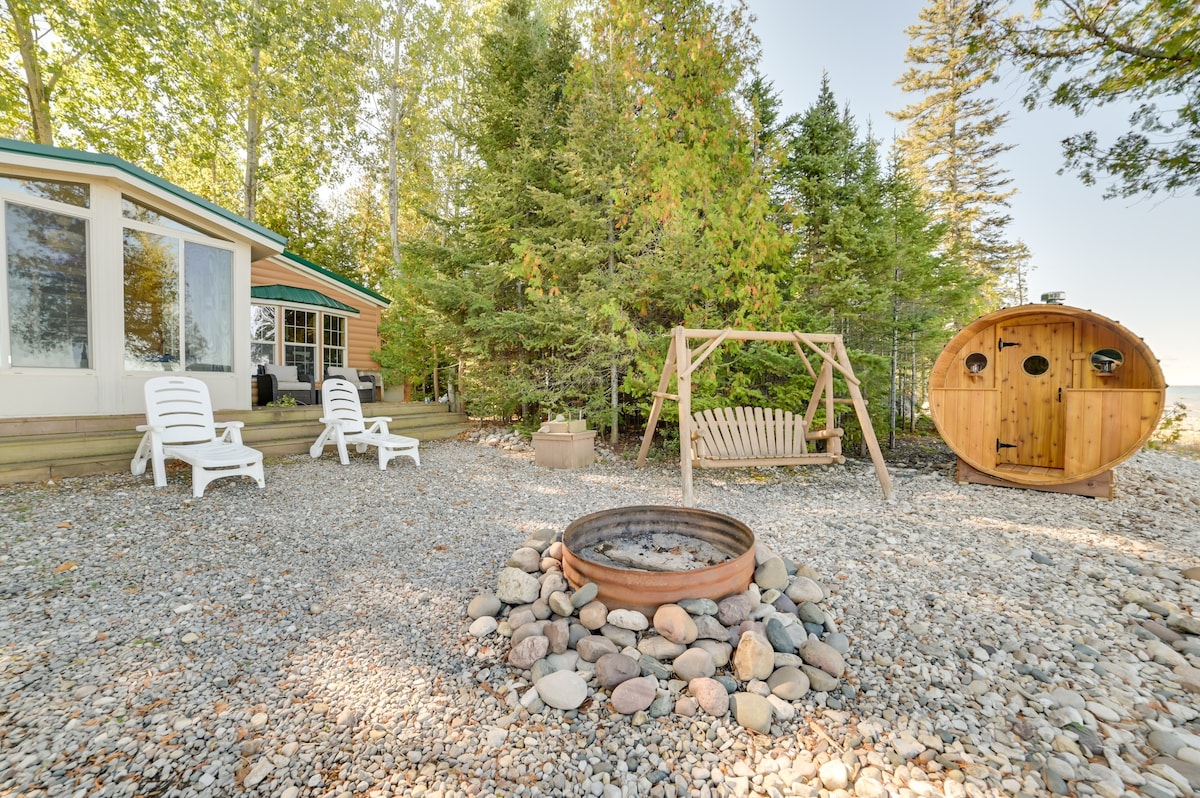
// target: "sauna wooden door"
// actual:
[[1034, 369]]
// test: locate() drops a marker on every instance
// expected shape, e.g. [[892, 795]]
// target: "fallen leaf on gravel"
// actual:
[[67, 566], [65, 525]]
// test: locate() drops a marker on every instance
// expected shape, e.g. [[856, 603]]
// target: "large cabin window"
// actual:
[[289, 335], [178, 297], [45, 280], [64, 191], [131, 209], [151, 301], [208, 308]]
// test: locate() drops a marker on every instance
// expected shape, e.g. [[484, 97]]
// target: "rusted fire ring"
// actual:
[[645, 591]]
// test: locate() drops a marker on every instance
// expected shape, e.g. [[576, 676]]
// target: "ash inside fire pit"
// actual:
[[644, 557], [656, 551]]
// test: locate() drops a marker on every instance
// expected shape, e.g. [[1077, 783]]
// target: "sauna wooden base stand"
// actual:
[[1098, 487]]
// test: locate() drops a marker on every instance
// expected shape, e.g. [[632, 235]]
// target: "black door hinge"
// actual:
[[1002, 343], [1000, 446]]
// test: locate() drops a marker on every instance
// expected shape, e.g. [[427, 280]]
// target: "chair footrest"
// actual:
[[385, 441], [214, 455]]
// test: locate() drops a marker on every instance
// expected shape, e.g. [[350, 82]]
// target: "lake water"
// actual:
[[1189, 395]]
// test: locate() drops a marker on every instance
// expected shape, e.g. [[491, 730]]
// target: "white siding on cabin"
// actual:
[[106, 387]]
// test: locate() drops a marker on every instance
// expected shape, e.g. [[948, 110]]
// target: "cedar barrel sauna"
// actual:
[[1047, 397]]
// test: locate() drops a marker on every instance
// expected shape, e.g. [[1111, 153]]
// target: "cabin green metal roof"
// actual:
[[97, 159], [301, 296], [308, 264]]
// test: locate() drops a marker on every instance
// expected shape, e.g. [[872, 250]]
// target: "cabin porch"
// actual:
[[40, 449]]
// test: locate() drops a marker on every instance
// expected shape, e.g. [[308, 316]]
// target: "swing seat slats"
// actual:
[[727, 437]]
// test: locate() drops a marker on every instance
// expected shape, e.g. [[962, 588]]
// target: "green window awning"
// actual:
[[300, 296]]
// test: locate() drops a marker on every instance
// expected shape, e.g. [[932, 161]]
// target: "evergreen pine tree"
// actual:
[[700, 242], [865, 265], [952, 148], [928, 293], [832, 179], [488, 273]]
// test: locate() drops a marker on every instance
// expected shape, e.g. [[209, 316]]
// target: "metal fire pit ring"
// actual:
[[646, 591]]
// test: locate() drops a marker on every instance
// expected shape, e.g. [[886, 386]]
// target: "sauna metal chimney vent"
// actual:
[[1054, 297]]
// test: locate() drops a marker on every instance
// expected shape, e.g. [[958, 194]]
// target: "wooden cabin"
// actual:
[[306, 316], [112, 275], [1048, 397]]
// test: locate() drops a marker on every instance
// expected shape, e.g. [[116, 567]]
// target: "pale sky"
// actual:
[[1136, 261]]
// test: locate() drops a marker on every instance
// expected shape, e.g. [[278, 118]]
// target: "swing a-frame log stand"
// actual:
[[736, 437]]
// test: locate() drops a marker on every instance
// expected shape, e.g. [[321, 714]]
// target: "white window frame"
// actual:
[[343, 350], [279, 345]]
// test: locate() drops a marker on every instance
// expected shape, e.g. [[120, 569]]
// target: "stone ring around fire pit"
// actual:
[[652, 610], [642, 557]]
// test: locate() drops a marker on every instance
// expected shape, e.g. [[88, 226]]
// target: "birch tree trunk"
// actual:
[[393, 145], [37, 92], [253, 133]]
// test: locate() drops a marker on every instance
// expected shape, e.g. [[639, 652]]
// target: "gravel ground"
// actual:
[[311, 638]]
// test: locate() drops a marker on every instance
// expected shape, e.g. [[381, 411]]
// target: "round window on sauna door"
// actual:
[[1036, 365], [1106, 361], [976, 362]]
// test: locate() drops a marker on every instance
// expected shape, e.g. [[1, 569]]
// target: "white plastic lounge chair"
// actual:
[[344, 424], [179, 425]]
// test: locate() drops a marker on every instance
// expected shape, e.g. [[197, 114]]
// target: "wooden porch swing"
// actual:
[[737, 437]]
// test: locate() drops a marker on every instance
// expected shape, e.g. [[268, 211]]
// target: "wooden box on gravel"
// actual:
[[564, 444]]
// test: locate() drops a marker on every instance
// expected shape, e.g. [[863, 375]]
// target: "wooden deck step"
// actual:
[[39, 449]]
